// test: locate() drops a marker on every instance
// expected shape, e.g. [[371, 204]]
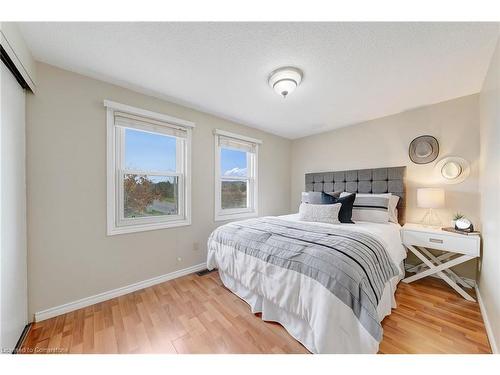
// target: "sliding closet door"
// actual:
[[13, 269]]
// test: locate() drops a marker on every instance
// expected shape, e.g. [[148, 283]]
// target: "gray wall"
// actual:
[[489, 280], [384, 142], [70, 256]]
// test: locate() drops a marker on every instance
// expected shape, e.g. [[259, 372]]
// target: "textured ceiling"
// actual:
[[353, 72]]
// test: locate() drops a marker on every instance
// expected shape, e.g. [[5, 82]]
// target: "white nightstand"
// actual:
[[458, 248]]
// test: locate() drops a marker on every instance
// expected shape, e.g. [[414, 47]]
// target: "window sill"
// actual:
[[114, 230], [232, 216]]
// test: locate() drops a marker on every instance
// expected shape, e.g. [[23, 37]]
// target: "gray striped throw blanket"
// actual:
[[354, 266]]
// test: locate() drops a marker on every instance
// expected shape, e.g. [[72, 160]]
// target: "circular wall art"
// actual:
[[452, 169], [423, 149]]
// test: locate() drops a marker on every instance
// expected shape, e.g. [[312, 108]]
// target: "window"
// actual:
[[149, 182], [235, 176]]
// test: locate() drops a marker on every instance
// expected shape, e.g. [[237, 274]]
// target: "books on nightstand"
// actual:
[[453, 230]]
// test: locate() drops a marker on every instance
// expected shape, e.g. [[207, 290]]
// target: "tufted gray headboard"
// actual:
[[378, 180]]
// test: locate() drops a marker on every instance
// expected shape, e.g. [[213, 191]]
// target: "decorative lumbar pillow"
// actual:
[[370, 207], [323, 213], [345, 213]]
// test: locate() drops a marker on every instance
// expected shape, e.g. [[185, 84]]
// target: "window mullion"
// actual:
[[150, 173], [226, 178]]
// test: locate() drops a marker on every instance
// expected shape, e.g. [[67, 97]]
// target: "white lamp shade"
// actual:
[[430, 198]]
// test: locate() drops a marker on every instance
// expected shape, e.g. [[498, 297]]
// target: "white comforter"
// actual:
[[308, 311]]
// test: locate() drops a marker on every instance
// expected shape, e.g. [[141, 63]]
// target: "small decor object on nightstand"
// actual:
[[463, 233], [464, 225], [457, 216]]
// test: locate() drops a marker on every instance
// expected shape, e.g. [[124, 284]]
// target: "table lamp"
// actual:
[[430, 198]]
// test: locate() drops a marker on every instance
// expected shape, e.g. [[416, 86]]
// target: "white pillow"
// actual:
[[371, 207], [393, 211], [393, 204], [323, 213]]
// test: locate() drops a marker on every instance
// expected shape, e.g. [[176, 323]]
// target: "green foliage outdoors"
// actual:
[[234, 194], [141, 192]]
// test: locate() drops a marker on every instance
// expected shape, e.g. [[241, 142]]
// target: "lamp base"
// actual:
[[431, 219]]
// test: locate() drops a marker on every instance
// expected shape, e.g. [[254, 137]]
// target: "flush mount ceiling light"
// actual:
[[285, 80]]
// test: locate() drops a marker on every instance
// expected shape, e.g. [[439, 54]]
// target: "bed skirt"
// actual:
[[300, 329]]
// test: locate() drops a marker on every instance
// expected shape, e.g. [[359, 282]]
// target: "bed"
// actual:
[[328, 285]]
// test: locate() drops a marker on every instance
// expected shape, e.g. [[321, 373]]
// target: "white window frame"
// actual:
[[252, 178], [116, 222]]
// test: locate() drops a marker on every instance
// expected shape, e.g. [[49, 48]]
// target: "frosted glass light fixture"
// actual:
[[430, 198], [285, 80]]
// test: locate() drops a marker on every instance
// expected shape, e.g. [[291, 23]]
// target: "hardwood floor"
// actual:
[[196, 314], [432, 318]]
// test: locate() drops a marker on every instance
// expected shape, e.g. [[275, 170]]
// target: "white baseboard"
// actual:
[[489, 331], [87, 301], [466, 279]]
